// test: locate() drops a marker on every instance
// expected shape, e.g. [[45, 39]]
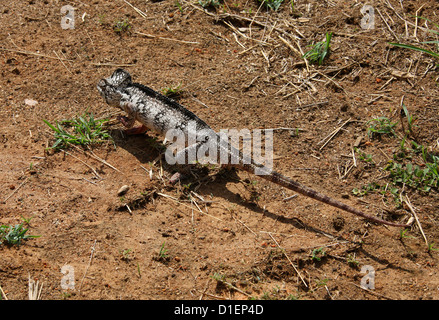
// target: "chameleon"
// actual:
[[160, 113]]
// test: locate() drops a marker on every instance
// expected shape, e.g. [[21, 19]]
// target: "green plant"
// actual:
[[431, 247], [317, 254], [410, 119], [408, 46], [321, 282], [126, 254], [84, 130], [178, 5], [380, 126], [386, 190], [14, 234], [272, 4], [121, 26], [402, 234], [414, 176], [416, 48], [26, 220], [138, 270], [163, 252], [373, 186], [364, 157], [319, 51], [209, 3], [352, 261], [172, 91]]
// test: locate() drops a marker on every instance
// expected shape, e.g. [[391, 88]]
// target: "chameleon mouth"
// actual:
[[101, 84]]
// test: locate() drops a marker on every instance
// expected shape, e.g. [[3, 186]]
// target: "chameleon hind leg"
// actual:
[[186, 157]]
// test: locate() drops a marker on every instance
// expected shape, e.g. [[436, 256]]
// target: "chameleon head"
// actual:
[[110, 88]]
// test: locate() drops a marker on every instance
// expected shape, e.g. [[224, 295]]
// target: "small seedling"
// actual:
[[272, 4], [219, 277], [126, 254], [26, 220], [209, 3], [431, 247], [370, 187], [121, 26], [352, 261], [163, 252], [381, 126], [402, 234], [364, 157], [317, 254], [319, 51], [172, 91], [321, 282], [14, 234], [178, 5], [138, 270], [410, 119]]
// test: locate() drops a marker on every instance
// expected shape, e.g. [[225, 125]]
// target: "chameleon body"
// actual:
[[160, 113]]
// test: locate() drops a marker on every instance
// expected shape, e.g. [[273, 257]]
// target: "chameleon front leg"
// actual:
[[128, 122]]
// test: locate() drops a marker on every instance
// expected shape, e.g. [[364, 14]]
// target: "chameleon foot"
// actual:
[[135, 131]]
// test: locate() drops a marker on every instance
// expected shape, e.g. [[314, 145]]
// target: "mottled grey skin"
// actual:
[[156, 111], [159, 113]]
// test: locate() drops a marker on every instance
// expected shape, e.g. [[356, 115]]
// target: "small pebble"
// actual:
[[123, 190]]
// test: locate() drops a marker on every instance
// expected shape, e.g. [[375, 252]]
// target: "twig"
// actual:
[[288, 258], [314, 104], [332, 134], [416, 23], [211, 295], [290, 197], [302, 54], [372, 292], [22, 184], [102, 160], [3, 293], [62, 62], [94, 171], [205, 289], [98, 64], [33, 54], [289, 45], [88, 266], [174, 199], [34, 293], [164, 38], [254, 233], [388, 27], [143, 14], [407, 202], [235, 288], [332, 80]]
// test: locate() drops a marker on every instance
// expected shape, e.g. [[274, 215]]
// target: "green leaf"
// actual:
[[408, 46]]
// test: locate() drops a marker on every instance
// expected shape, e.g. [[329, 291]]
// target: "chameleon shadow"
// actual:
[[146, 148]]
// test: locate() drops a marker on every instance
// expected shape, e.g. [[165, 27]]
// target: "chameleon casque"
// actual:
[[160, 113]]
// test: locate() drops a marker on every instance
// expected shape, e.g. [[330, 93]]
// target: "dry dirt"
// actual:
[[227, 234]]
